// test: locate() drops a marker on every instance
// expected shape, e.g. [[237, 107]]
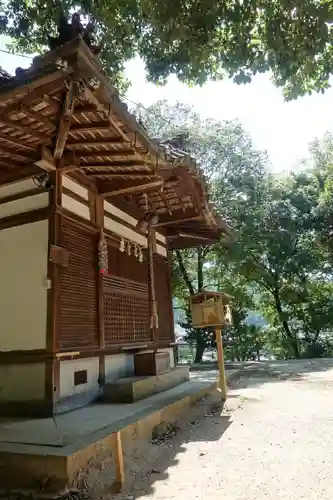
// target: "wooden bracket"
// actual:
[[66, 119]]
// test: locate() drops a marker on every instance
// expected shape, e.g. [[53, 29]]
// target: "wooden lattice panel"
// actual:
[[78, 326], [126, 311], [165, 330]]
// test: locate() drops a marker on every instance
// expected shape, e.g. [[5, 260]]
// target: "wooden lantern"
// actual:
[[210, 309]]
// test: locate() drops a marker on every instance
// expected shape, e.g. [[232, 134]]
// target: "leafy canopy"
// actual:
[[195, 39], [280, 262]]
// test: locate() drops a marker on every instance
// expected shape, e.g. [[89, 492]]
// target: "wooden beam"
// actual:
[[3, 164], [117, 175], [90, 127], [120, 165], [46, 162], [168, 222], [19, 174], [66, 119], [105, 152], [141, 188], [74, 143], [86, 108], [190, 236]]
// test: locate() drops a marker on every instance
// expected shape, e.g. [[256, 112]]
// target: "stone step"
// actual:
[[131, 389]]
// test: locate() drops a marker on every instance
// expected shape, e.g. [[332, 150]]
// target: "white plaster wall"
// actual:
[[40, 200], [118, 366], [67, 370], [75, 187], [171, 354], [17, 187], [22, 382], [23, 291], [75, 206]]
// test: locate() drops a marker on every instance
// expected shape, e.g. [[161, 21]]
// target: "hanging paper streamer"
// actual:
[[102, 254], [140, 255], [131, 249]]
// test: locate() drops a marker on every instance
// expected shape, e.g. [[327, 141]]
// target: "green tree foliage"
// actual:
[[280, 260], [197, 40], [225, 152]]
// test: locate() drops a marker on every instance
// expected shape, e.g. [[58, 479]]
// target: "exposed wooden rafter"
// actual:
[[101, 109], [38, 116], [25, 129], [22, 155], [17, 142]]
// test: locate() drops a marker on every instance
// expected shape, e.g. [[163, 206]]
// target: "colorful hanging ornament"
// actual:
[[102, 254], [136, 251], [128, 248], [122, 245]]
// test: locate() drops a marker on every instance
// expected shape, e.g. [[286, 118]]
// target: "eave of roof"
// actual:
[[104, 143]]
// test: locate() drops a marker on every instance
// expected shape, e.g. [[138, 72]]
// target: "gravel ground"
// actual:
[[273, 439]]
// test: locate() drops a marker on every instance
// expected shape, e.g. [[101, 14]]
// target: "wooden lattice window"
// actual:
[[78, 327], [126, 311]]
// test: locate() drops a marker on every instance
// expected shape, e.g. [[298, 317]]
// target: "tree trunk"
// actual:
[[200, 349], [292, 340], [200, 269]]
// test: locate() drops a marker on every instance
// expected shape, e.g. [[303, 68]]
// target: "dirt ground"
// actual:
[[273, 439]]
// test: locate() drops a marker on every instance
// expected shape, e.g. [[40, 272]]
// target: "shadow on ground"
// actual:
[[169, 450], [151, 462], [258, 373]]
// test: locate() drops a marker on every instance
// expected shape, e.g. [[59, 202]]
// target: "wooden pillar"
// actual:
[[220, 359], [151, 240], [99, 221], [53, 290]]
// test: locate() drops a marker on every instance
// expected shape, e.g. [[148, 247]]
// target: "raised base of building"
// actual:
[[50, 453], [131, 389]]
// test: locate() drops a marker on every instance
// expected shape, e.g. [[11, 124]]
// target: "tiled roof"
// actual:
[[4, 76]]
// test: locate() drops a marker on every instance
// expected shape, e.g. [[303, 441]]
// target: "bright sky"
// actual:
[[283, 129]]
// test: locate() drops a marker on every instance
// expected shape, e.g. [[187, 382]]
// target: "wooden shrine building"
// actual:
[[90, 205]]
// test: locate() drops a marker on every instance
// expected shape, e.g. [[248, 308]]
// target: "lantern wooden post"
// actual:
[[120, 469], [220, 361], [211, 309]]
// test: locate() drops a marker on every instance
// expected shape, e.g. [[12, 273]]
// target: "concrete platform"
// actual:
[[132, 389], [56, 449]]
